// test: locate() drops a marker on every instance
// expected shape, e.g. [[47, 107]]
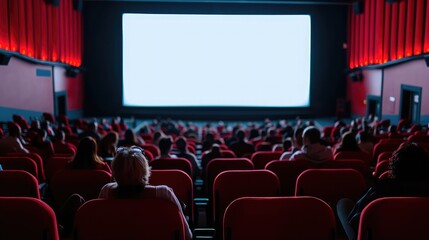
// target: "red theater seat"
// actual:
[[86, 183], [234, 184], [27, 218], [219, 165], [18, 183], [275, 218], [129, 219], [381, 168], [19, 163], [260, 159], [154, 150], [37, 159], [173, 163], [181, 184], [365, 157], [395, 218], [331, 185]]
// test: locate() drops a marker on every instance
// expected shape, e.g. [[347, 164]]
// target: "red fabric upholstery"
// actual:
[[219, 165], [154, 150], [37, 159], [86, 183], [385, 147], [27, 218], [181, 184], [357, 165], [173, 163], [19, 163], [260, 159], [395, 218], [288, 172], [331, 185], [224, 153], [366, 157], [304, 218], [381, 168], [18, 183], [234, 184], [384, 175], [129, 219], [384, 156], [56, 164]]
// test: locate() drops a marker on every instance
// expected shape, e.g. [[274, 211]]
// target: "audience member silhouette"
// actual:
[[408, 177], [91, 131], [108, 144], [165, 145], [182, 152], [131, 171], [348, 144], [12, 142], [312, 150], [241, 147], [87, 156]]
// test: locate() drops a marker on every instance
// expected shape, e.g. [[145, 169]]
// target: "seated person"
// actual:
[[182, 148], [408, 178], [12, 143], [165, 144], [312, 150], [348, 144], [87, 157], [241, 147], [108, 144], [131, 172], [296, 144], [60, 144]]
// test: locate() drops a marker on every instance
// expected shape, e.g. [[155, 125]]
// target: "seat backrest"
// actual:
[[395, 218], [19, 163], [357, 165], [304, 218], [288, 172], [418, 138], [384, 156], [364, 156], [56, 164], [385, 147], [227, 153], [380, 168], [37, 159], [27, 218], [18, 183], [173, 163], [181, 184], [218, 165], [331, 185], [260, 159], [233, 184], [86, 183], [154, 150], [129, 219]]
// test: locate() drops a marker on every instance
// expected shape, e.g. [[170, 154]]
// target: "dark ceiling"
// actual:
[[299, 2]]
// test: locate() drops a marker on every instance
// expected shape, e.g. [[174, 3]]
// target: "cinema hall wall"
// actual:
[[387, 42], [43, 41]]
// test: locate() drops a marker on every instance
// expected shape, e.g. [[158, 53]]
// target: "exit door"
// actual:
[[411, 97]]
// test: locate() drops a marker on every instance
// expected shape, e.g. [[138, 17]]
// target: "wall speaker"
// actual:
[[72, 72], [78, 5], [358, 7], [356, 76], [4, 58], [56, 3]]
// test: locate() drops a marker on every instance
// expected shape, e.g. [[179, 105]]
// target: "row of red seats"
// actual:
[[245, 218]]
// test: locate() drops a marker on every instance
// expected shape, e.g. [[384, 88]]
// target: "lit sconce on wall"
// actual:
[[392, 99]]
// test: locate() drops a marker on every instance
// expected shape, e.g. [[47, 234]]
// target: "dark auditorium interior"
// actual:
[[214, 119]]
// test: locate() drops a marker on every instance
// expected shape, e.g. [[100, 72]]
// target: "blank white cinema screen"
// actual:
[[186, 60]]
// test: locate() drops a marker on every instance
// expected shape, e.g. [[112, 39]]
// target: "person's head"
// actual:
[[181, 144], [130, 137], [111, 138], [297, 135], [14, 129], [92, 126], [130, 167], [287, 144], [409, 162], [165, 145], [210, 137], [86, 154], [363, 137], [215, 149], [240, 135], [253, 133], [348, 142], [393, 129], [35, 124], [311, 135]]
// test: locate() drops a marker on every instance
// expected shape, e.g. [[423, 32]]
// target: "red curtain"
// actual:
[[388, 31], [42, 31]]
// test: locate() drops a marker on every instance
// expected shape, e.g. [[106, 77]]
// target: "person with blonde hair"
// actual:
[[131, 171]]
